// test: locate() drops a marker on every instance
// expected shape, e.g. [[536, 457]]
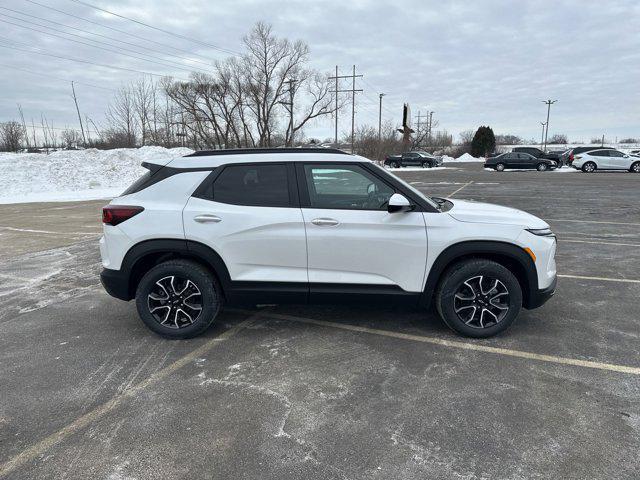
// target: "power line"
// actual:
[[115, 29], [48, 54], [56, 78], [96, 46], [93, 33], [168, 32]]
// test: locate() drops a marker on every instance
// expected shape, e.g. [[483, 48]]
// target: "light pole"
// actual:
[[542, 135], [549, 103], [380, 119]]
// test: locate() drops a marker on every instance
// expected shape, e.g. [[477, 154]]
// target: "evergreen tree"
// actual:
[[483, 143]]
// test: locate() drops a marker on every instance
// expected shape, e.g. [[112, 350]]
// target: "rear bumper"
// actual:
[[116, 283], [540, 297]]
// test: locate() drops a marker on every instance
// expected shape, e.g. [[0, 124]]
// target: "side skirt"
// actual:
[[252, 293]]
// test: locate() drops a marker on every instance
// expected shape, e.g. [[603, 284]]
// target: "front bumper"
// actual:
[[116, 283], [538, 298]]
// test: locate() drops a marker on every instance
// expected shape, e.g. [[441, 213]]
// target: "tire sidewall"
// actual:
[[461, 272], [500, 167], [584, 167], [206, 283], [542, 167], [635, 165]]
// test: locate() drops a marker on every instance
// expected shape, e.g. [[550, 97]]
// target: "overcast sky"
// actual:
[[472, 62]]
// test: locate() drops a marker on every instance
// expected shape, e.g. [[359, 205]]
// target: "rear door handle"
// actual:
[[325, 222], [207, 218]]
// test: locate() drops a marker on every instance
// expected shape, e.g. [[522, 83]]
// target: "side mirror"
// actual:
[[399, 203]]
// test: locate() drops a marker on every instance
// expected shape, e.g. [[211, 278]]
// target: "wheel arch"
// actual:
[[509, 255], [145, 255]]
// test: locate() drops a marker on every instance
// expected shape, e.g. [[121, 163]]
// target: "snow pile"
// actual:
[[466, 157], [75, 174]]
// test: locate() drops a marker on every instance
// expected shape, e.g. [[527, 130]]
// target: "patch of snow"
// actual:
[[69, 175], [465, 157]]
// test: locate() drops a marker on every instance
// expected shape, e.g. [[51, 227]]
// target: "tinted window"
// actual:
[[615, 153], [256, 185], [600, 153], [346, 187]]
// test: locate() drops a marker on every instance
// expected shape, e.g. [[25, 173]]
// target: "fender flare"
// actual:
[[184, 248], [525, 267]]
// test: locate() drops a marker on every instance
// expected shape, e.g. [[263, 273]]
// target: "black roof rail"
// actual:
[[247, 151]]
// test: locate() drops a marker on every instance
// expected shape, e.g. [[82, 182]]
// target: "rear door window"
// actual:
[[253, 185]]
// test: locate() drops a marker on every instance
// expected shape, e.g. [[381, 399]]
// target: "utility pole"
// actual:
[[73, 90], [546, 135], [420, 136], [430, 125], [542, 135], [353, 92], [292, 87], [380, 119]]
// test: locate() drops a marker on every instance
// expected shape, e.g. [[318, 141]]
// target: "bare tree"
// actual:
[[11, 136], [70, 138], [121, 116]]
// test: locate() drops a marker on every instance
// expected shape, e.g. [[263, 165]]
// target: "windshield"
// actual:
[[429, 200]]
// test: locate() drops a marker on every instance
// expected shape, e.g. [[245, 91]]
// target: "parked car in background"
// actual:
[[606, 159], [536, 152], [519, 160], [635, 152], [579, 150], [413, 159]]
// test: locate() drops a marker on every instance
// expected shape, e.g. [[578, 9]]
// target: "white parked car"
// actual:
[[606, 159], [260, 226]]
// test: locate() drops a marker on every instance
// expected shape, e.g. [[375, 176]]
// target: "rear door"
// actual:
[[601, 158], [249, 214], [527, 160], [351, 238], [512, 160]]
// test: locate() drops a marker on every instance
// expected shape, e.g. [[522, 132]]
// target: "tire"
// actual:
[[635, 167], [542, 167], [589, 167], [499, 167], [181, 298], [394, 165], [454, 300], [426, 165]]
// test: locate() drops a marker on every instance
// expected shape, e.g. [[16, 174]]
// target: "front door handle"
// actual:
[[207, 218], [325, 222]]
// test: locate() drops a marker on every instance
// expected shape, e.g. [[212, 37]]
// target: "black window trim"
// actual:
[[205, 189]]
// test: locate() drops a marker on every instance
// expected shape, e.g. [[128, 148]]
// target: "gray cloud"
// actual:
[[484, 62]]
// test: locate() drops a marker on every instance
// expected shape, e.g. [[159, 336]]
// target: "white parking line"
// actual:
[[42, 446], [591, 221], [465, 185], [603, 279], [463, 345], [598, 242]]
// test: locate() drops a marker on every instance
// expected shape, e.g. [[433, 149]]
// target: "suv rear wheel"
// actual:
[[478, 298], [178, 299], [589, 167]]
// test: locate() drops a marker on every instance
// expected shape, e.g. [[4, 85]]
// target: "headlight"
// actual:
[[541, 232]]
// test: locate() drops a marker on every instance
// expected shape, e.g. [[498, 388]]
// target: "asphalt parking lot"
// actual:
[[328, 392]]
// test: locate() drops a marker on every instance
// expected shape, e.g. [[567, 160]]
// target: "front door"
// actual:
[[351, 238]]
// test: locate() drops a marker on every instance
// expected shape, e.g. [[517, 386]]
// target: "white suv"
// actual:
[[606, 159], [269, 226]]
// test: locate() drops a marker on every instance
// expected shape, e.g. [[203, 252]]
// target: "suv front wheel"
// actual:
[[178, 299], [478, 298]]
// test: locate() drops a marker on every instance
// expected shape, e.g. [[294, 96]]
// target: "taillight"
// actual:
[[115, 214]]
